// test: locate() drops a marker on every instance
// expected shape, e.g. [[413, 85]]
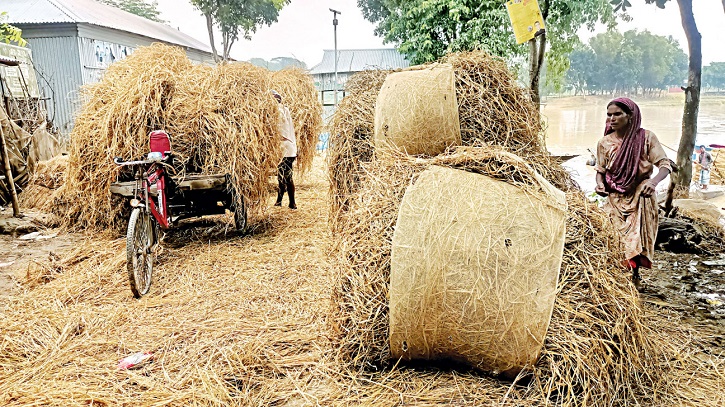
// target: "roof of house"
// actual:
[[356, 60], [94, 13]]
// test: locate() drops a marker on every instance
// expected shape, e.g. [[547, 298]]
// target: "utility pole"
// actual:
[[334, 25]]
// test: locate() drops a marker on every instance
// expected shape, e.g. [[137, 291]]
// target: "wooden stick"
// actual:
[[9, 174]]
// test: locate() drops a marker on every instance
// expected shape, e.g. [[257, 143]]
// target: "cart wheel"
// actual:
[[139, 257], [240, 217]]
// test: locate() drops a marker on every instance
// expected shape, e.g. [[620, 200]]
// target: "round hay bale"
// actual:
[[474, 268], [598, 347], [299, 94], [416, 111]]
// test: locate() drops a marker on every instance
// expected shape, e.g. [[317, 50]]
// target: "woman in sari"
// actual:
[[626, 156]]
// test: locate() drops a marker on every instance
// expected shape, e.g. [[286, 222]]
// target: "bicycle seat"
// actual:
[[159, 142]]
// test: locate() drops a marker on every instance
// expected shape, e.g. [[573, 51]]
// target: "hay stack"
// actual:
[[598, 346], [221, 120], [300, 96], [351, 137], [46, 180]]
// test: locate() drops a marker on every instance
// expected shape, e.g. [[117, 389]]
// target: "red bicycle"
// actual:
[[160, 201]]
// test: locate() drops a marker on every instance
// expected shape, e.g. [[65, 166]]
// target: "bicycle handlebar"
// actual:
[[118, 161]]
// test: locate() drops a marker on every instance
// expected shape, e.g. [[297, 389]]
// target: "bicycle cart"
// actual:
[[160, 201]]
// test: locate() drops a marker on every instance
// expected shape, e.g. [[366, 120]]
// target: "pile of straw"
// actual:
[[600, 349], [351, 138], [300, 96], [220, 119], [47, 178]]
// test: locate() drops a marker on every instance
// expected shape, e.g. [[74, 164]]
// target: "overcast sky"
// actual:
[[304, 28]]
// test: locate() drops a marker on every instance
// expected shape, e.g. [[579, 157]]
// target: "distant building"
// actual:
[[73, 41], [350, 61]]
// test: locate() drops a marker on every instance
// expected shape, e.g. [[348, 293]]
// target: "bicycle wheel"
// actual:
[[139, 257], [240, 217]]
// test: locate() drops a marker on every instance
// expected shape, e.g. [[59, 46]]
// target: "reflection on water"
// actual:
[[575, 124]]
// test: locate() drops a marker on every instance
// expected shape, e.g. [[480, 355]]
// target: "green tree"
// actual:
[[424, 30], [680, 180], [10, 33], [713, 75], [237, 17], [631, 62], [141, 8]]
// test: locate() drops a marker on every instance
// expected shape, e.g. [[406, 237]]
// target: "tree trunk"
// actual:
[[210, 28], [682, 178], [537, 47]]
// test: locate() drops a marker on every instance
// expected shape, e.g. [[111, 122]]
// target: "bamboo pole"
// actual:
[[9, 174]]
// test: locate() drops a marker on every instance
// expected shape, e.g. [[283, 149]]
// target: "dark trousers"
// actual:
[[286, 184]]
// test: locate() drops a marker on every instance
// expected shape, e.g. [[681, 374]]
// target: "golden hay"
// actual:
[[223, 333], [300, 96], [351, 138], [43, 184], [600, 349], [220, 119]]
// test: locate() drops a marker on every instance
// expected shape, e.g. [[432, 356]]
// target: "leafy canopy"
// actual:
[[424, 30], [10, 33], [633, 60], [139, 7], [238, 17]]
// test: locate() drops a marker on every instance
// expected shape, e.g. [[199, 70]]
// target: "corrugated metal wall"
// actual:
[[56, 61]]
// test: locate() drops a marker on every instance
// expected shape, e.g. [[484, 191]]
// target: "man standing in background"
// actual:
[[289, 153], [704, 160]]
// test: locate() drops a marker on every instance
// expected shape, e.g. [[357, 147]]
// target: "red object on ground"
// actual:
[[159, 142], [134, 360]]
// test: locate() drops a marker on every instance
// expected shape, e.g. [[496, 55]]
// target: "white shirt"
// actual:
[[287, 129]]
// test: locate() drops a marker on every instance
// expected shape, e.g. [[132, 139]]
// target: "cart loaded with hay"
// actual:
[[208, 135], [460, 238]]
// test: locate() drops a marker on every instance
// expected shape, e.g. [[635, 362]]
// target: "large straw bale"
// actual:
[[351, 138], [474, 268], [416, 111], [220, 120], [300, 96], [598, 347]]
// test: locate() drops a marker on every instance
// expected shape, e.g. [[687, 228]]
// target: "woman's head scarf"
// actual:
[[622, 174]]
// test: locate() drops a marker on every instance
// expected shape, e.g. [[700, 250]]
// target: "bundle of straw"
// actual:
[[43, 184], [495, 110], [300, 96], [220, 120], [599, 347], [351, 138]]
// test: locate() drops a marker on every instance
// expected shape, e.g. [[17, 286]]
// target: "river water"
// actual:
[[575, 124]]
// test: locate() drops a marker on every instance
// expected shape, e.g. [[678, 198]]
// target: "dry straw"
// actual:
[[351, 138], [300, 96], [601, 347], [44, 183], [221, 120]]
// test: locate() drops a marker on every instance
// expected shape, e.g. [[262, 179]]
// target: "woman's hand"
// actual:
[[601, 190], [649, 189]]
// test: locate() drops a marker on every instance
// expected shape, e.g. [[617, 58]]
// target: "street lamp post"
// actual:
[[334, 25]]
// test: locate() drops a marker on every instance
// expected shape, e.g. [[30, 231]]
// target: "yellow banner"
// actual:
[[526, 19]]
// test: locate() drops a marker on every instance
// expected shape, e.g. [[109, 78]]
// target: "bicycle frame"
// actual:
[[148, 173]]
